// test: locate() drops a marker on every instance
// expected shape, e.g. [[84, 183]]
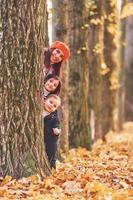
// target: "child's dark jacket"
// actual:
[[51, 121]]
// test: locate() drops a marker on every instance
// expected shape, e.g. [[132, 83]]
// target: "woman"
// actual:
[[53, 58]]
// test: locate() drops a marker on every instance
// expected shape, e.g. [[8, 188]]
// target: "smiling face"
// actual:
[[51, 84], [56, 56], [51, 104]]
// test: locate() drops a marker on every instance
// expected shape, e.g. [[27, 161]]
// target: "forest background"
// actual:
[[97, 80]]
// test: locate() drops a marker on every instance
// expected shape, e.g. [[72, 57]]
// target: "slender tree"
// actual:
[[110, 84], [129, 68], [23, 35], [97, 66], [121, 91], [79, 75]]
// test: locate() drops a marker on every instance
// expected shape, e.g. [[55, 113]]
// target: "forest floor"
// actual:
[[105, 173]]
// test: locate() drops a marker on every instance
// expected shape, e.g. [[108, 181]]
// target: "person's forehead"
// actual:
[[53, 98]]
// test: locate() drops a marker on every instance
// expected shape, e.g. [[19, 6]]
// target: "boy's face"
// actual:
[[51, 84], [56, 56], [51, 104]]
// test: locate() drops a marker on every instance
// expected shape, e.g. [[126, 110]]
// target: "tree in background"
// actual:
[[78, 75], [96, 66], [23, 35], [60, 32], [110, 83], [120, 98], [102, 38], [129, 67]]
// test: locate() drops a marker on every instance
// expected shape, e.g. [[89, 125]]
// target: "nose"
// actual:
[[52, 85]]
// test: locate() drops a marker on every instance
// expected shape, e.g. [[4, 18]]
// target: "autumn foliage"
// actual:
[[105, 173]]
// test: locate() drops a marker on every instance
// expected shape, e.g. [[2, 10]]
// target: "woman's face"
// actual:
[[51, 84], [56, 56], [51, 104]]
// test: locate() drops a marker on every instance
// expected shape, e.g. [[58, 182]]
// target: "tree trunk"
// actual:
[[60, 32], [121, 91], [23, 36], [110, 83], [97, 67], [129, 69], [79, 75]]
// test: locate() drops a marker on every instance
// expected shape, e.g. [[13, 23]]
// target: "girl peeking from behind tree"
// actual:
[[52, 85]]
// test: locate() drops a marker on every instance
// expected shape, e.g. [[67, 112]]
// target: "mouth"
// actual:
[[49, 107]]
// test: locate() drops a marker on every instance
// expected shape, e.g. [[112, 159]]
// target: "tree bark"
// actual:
[[129, 69], [110, 83], [96, 63], [23, 36], [121, 91], [79, 75]]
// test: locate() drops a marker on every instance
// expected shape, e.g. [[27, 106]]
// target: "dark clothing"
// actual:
[[51, 121]]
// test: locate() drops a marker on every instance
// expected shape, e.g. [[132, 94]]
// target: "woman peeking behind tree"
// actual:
[[53, 58]]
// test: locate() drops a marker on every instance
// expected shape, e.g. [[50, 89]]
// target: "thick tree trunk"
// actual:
[[60, 32], [79, 75], [23, 35]]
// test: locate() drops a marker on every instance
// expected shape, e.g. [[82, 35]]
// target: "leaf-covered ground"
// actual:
[[106, 173]]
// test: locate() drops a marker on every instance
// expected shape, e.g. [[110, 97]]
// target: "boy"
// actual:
[[51, 127]]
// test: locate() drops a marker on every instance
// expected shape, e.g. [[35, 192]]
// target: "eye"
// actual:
[[57, 50], [55, 84], [55, 106], [50, 81], [51, 102]]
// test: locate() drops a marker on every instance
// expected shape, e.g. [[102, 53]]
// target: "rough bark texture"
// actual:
[[109, 85], [96, 59], [79, 75], [129, 69], [60, 32], [121, 91], [23, 35], [102, 64]]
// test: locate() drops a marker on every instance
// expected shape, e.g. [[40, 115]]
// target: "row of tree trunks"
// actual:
[[21, 138]]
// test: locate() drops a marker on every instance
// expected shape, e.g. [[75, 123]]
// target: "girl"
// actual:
[[53, 58], [52, 85]]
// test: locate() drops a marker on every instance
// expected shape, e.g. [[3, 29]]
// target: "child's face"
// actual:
[[51, 84], [56, 56], [51, 104]]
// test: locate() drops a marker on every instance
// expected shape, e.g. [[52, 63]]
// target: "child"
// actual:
[[51, 127], [53, 58], [52, 85]]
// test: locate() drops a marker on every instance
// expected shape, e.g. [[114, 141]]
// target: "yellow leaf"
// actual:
[[6, 180]]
